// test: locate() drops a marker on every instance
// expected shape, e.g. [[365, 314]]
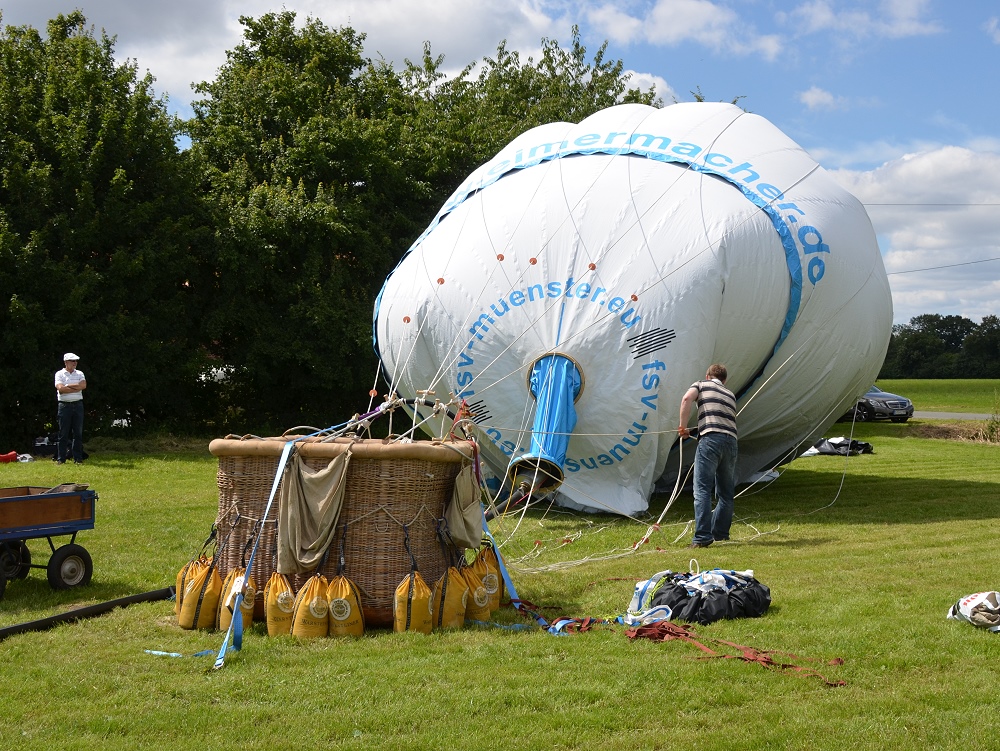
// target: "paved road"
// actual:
[[951, 416]]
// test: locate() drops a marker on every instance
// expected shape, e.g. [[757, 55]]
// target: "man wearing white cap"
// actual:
[[70, 384]]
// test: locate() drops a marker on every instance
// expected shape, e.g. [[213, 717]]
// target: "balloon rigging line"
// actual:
[[448, 361], [638, 223], [640, 215], [372, 394], [608, 315], [673, 496], [481, 196], [946, 266]]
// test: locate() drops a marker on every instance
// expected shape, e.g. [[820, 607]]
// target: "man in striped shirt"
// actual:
[[715, 457]]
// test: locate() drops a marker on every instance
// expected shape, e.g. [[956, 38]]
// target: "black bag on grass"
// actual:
[[711, 596]]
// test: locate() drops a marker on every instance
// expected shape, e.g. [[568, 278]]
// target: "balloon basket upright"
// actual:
[[388, 486]]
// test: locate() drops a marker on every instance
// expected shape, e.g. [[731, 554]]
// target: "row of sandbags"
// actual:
[[321, 607]]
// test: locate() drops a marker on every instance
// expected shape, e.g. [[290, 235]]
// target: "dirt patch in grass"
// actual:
[[951, 431], [958, 431]]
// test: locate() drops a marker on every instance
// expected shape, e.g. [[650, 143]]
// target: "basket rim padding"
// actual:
[[452, 452]]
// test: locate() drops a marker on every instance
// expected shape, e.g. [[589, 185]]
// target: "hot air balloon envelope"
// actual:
[[639, 246]]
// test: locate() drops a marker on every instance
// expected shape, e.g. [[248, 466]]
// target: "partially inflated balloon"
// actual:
[[575, 286]]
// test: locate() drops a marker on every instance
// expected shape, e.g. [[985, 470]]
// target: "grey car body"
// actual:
[[877, 404]]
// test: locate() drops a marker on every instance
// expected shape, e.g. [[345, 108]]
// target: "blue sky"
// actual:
[[898, 99]]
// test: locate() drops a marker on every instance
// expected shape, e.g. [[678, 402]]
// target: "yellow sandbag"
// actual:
[[182, 576], [489, 579], [449, 601], [346, 616], [311, 613], [411, 607], [279, 604], [231, 588], [477, 605], [492, 579], [202, 590]]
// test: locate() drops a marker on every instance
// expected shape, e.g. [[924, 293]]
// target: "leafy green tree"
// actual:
[[300, 143], [98, 225], [470, 117], [933, 346], [951, 330], [324, 167], [981, 350]]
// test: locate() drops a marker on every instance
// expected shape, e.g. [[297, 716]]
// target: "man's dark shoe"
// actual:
[[699, 544], [60, 461]]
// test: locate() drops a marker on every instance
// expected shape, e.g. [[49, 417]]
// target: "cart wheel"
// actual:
[[15, 560], [70, 566], [25, 562]]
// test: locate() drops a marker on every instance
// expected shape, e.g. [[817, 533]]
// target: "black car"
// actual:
[[877, 404]]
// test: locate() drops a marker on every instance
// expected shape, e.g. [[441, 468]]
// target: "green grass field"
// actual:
[[980, 395], [863, 556]]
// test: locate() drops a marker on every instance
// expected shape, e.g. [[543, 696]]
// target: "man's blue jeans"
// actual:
[[714, 468], [70, 430]]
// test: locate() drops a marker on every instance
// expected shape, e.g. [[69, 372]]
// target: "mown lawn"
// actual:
[[977, 395], [863, 555]]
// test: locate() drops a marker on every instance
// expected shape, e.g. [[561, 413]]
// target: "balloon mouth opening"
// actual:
[[539, 474]]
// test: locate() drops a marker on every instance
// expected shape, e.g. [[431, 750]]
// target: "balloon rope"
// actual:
[[673, 496]]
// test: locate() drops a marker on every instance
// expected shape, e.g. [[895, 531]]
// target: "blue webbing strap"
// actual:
[[236, 624], [507, 582], [159, 653], [494, 624]]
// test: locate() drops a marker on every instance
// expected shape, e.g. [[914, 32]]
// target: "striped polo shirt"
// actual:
[[69, 379], [716, 407]]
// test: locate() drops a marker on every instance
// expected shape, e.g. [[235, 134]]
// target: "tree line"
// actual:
[[229, 286], [935, 346]]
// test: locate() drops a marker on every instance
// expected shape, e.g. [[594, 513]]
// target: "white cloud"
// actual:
[[933, 215], [892, 19], [992, 28], [816, 98], [462, 31], [645, 81], [185, 41], [614, 23], [672, 22]]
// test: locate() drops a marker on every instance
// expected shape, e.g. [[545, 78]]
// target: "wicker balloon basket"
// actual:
[[389, 486]]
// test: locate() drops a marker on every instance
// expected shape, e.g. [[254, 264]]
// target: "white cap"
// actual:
[[70, 356]]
